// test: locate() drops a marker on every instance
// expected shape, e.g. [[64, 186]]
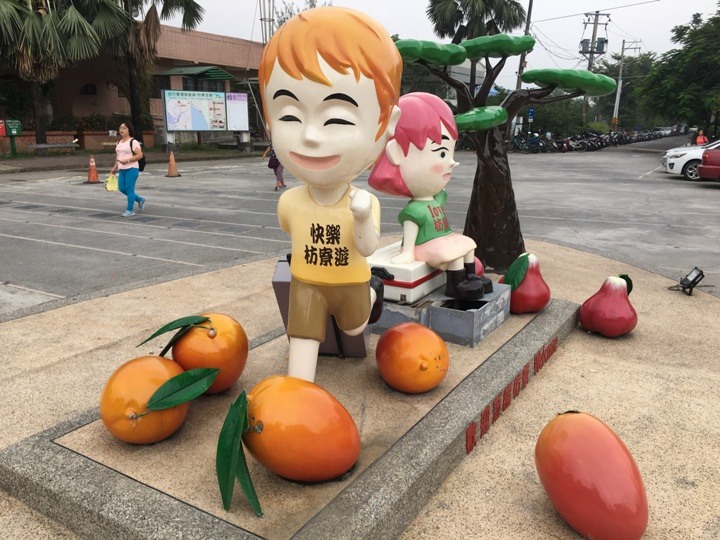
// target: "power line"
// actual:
[[551, 41], [628, 34], [605, 9], [551, 53]]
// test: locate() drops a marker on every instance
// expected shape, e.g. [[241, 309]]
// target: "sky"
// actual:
[[557, 25]]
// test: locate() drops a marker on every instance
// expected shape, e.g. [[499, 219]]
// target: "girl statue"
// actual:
[[417, 163]]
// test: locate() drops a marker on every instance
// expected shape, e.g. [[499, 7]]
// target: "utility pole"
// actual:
[[267, 19], [522, 65], [596, 47], [615, 118]]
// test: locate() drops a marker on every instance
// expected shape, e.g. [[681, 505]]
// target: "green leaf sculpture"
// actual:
[[441, 54], [516, 272], [497, 46], [572, 80], [481, 118], [230, 460], [182, 325], [182, 388], [410, 49]]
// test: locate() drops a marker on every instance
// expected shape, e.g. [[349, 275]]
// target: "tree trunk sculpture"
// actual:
[[492, 217]]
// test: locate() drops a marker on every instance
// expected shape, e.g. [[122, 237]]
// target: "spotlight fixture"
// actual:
[[689, 282]]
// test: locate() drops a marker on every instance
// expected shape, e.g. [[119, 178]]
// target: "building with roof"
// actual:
[[185, 61]]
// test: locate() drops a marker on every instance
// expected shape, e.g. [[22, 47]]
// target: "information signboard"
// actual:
[[194, 111], [237, 112], [10, 128]]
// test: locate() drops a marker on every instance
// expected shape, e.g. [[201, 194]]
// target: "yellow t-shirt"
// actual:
[[323, 238]]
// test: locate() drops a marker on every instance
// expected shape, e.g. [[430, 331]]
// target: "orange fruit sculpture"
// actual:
[[224, 346], [412, 358], [123, 404], [299, 431], [591, 478]]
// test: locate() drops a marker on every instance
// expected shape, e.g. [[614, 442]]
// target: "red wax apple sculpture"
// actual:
[[479, 267], [608, 311], [591, 478], [529, 292]]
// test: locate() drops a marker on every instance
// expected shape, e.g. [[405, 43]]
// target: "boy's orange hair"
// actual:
[[347, 40]]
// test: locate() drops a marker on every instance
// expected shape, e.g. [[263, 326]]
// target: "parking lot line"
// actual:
[[28, 289], [101, 250], [649, 172], [113, 233]]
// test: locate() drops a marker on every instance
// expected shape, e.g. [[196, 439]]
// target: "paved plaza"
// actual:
[[81, 287]]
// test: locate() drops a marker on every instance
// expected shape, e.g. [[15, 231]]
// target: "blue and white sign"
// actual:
[[195, 111]]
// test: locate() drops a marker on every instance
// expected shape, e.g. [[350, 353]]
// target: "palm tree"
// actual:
[[40, 37], [290, 9], [140, 49], [467, 19]]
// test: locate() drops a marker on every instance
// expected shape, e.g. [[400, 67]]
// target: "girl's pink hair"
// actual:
[[421, 119]]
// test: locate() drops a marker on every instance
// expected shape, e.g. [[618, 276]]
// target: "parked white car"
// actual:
[[685, 160], [664, 131]]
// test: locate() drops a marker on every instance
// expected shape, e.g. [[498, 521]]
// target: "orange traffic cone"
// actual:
[[172, 168], [92, 173]]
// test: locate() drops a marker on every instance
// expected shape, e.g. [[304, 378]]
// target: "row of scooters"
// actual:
[[587, 141]]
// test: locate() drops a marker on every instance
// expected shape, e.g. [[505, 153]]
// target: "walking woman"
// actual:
[[128, 152], [276, 166]]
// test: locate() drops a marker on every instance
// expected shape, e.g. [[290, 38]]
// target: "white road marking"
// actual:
[[130, 235], [650, 172], [28, 289], [102, 250], [164, 227]]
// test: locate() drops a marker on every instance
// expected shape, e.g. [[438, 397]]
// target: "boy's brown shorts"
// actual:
[[311, 304]]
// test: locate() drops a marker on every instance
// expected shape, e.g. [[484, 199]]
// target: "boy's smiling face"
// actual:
[[324, 135]]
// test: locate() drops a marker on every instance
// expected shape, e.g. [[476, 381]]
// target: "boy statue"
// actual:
[[330, 83]]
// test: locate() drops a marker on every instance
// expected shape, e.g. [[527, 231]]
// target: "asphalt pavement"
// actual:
[[586, 217], [221, 212]]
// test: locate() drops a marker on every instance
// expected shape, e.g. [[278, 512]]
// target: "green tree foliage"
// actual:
[[562, 118], [140, 46], [38, 38], [467, 19], [463, 20], [290, 9], [632, 111], [684, 83]]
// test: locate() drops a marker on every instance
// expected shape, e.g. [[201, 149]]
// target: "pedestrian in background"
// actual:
[[127, 154], [701, 138], [276, 166]]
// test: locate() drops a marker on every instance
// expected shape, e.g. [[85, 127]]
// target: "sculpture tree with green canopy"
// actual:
[[492, 217]]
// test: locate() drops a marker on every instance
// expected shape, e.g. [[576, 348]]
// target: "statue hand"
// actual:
[[360, 204]]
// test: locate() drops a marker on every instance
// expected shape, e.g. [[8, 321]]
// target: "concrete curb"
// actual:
[[154, 159], [96, 501]]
